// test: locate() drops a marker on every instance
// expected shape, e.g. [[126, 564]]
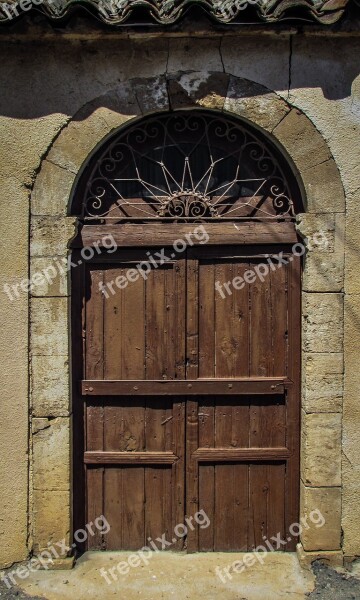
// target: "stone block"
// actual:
[[324, 259], [50, 236], [321, 449], [59, 564], [49, 327], [322, 322], [351, 427], [115, 118], [352, 258], [332, 558], [351, 354], [49, 276], [323, 187], [320, 231], [205, 90], [350, 502], [151, 94], [323, 382], [113, 108], [50, 393], [51, 454], [52, 190], [255, 103], [328, 502], [302, 141], [51, 518]]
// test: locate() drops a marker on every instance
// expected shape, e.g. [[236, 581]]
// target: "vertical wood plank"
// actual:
[[94, 368], [225, 340], [95, 426], [207, 300], [261, 327], [267, 426], [132, 505], [206, 406], [95, 326], [206, 417], [95, 505], [240, 321], [276, 505], [154, 476], [113, 507], [192, 372], [178, 415], [258, 500], [279, 309]]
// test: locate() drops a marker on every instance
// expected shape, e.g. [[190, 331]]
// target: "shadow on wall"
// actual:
[[43, 78]]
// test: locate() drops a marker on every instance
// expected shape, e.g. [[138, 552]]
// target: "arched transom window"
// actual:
[[186, 166]]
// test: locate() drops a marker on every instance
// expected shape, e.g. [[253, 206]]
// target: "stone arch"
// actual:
[[52, 228]]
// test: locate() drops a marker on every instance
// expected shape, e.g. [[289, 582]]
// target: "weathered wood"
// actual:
[[182, 382], [130, 458], [194, 387], [95, 504], [240, 454], [137, 235]]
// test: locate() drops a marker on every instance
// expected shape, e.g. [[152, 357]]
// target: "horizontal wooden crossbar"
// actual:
[[130, 234], [240, 454], [167, 387], [130, 458], [200, 455]]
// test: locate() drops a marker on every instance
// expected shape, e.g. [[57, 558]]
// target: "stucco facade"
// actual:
[[62, 98]]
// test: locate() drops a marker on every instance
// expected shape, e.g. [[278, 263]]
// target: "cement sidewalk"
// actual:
[[174, 575]]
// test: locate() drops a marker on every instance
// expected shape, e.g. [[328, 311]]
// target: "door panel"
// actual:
[[134, 445], [242, 320], [135, 332], [243, 333], [238, 448]]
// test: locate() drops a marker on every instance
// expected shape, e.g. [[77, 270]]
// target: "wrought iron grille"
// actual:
[[186, 166]]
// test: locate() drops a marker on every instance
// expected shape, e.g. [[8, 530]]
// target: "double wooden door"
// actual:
[[190, 392]]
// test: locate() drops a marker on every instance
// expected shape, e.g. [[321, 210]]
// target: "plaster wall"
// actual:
[[46, 85]]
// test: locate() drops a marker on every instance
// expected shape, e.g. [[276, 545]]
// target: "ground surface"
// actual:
[[15, 594], [190, 577], [331, 585]]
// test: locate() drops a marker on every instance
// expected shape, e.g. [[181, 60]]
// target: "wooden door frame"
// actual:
[[162, 235]]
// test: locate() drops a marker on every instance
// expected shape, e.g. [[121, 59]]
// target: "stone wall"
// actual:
[[60, 103]]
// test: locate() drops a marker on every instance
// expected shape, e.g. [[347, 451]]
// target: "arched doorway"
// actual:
[[187, 352]]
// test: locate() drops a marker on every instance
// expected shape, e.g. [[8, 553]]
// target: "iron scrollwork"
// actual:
[[186, 167]]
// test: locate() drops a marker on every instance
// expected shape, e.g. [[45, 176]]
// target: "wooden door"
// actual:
[[135, 442], [243, 444], [191, 398]]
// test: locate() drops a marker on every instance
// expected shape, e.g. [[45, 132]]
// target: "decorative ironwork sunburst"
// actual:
[[186, 166]]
